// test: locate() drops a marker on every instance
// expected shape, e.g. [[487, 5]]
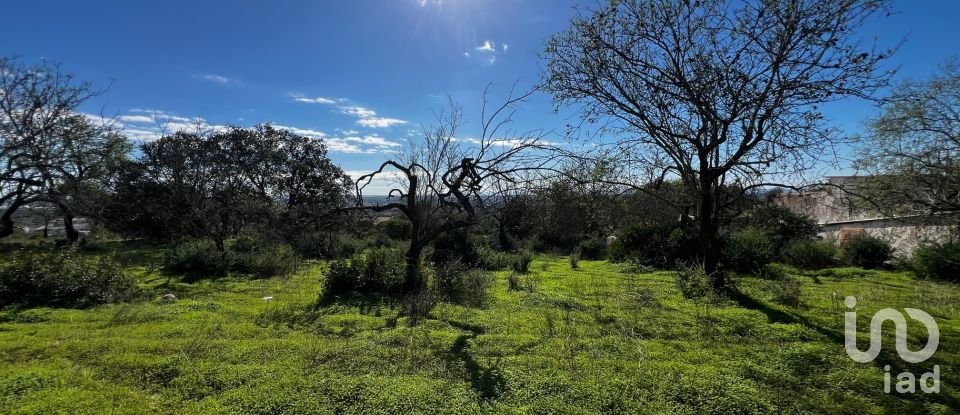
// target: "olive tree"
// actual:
[[444, 181]]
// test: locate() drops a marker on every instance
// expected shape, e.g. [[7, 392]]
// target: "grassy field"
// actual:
[[597, 339]]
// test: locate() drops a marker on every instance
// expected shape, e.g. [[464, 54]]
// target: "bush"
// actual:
[[197, 259], [575, 260], [786, 291], [397, 229], [867, 251], [781, 225], [263, 259], [938, 261], [64, 279], [374, 271], [521, 263], [519, 282], [748, 250], [692, 281], [660, 245], [493, 260], [594, 249], [810, 254], [455, 246], [455, 283]]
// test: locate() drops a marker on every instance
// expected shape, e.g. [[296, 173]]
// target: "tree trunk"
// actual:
[[503, 237], [708, 236], [6, 223], [71, 232], [6, 220], [413, 281]]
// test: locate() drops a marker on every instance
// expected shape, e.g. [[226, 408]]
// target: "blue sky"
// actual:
[[364, 74]]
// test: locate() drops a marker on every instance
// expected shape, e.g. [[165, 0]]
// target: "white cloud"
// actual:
[[487, 47], [217, 79], [488, 51], [379, 122], [358, 111], [136, 118], [368, 117], [317, 100], [352, 144], [374, 140]]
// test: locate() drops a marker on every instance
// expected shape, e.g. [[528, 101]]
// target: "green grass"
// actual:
[[591, 340]]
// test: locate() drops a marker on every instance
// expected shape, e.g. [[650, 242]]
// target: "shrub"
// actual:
[[748, 250], [575, 260], [692, 280], [867, 251], [64, 279], [455, 246], [374, 271], [521, 263], [197, 259], [781, 225], [398, 229], [263, 259], [938, 261], [594, 249], [660, 245], [493, 260], [810, 254], [786, 291], [455, 283], [519, 282]]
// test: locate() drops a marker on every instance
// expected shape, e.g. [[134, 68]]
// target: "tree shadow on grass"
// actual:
[[887, 356], [488, 382]]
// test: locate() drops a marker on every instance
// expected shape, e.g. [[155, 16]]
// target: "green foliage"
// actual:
[[521, 283], [810, 254], [373, 271], [455, 246], [263, 259], [455, 283], [197, 258], [521, 263], [938, 261], [786, 291], [64, 279], [867, 251], [575, 260], [398, 229], [748, 250], [595, 249], [692, 281], [781, 225], [660, 245], [493, 260]]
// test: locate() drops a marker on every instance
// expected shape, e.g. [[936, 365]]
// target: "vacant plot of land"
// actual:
[[594, 340]]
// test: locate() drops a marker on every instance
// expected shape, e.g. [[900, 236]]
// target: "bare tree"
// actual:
[[34, 102], [913, 150], [445, 180], [84, 155], [715, 94]]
